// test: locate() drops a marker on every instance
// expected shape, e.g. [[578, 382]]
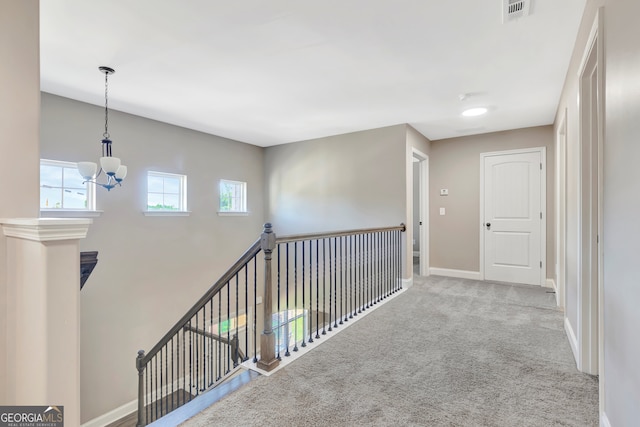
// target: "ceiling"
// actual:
[[268, 72]]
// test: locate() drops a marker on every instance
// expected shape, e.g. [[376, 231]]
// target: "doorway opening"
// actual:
[[420, 197]]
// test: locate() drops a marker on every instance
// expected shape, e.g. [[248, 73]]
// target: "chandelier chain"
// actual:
[[106, 106]]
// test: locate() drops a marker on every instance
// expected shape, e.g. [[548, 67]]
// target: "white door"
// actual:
[[512, 218]]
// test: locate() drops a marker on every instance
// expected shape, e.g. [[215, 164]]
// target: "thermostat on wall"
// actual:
[[444, 192]]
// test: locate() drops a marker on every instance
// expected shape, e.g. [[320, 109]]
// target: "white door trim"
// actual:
[[424, 210], [543, 205], [591, 342], [561, 210]]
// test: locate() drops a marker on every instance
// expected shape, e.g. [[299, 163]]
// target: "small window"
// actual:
[[233, 196], [62, 187], [166, 192]]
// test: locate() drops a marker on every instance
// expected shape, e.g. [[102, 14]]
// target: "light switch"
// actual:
[[444, 191], [441, 211]]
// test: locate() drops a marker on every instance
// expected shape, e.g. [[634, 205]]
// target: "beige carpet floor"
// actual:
[[447, 352]]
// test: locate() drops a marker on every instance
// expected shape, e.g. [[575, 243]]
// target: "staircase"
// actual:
[[295, 289]]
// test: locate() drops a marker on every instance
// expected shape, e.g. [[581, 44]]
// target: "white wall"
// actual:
[[150, 269]]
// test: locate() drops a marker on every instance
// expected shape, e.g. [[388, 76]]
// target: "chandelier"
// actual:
[[113, 170]]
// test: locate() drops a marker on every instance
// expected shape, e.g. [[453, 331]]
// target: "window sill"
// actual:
[[166, 213], [61, 213], [233, 213]]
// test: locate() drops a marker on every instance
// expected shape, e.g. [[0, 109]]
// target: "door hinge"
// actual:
[[540, 264], [540, 166], [540, 215]]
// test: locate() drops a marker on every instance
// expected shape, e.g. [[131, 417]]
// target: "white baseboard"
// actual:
[[550, 283], [407, 283], [112, 416], [461, 274], [573, 341], [604, 421]]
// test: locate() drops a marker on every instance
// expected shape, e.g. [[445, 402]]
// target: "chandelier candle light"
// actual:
[[110, 165]]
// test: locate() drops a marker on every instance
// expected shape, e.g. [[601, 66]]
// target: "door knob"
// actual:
[[488, 226]]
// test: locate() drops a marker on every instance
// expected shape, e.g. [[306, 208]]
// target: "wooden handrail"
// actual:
[[310, 236]]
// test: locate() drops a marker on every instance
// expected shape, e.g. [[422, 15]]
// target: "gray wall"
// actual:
[[455, 165], [150, 269], [621, 213], [340, 182]]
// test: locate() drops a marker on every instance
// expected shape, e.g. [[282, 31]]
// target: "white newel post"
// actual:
[[43, 300]]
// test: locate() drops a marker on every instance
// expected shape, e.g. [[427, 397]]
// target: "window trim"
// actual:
[[245, 198], [90, 211], [182, 195]]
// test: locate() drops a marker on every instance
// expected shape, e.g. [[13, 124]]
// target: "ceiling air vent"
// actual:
[[514, 9]]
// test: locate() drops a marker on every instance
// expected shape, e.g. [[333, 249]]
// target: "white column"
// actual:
[[19, 141], [43, 282]]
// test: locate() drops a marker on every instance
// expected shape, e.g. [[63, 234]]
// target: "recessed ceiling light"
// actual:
[[477, 111]]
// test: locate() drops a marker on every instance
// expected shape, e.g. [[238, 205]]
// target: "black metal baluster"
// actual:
[[196, 356], [378, 272], [172, 374], [304, 332], [324, 287], [255, 310], [148, 392], [311, 258], [219, 333], [374, 270], [394, 283], [367, 266], [286, 317], [190, 361], [295, 296], [212, 349], [386, 264], [352, 275], [361, 269], [395, 263], [235, 356], [391, 261], [161, 382], [399, 250], [342, 298], [330, 283], [166, 376], [246, 312], [155, 375], [279, 333], [227, 359], [374, 275], [317, 288], [335, 282], [203, 340], [184, 366]]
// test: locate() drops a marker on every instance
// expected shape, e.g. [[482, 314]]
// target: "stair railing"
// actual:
[[312, 284]]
